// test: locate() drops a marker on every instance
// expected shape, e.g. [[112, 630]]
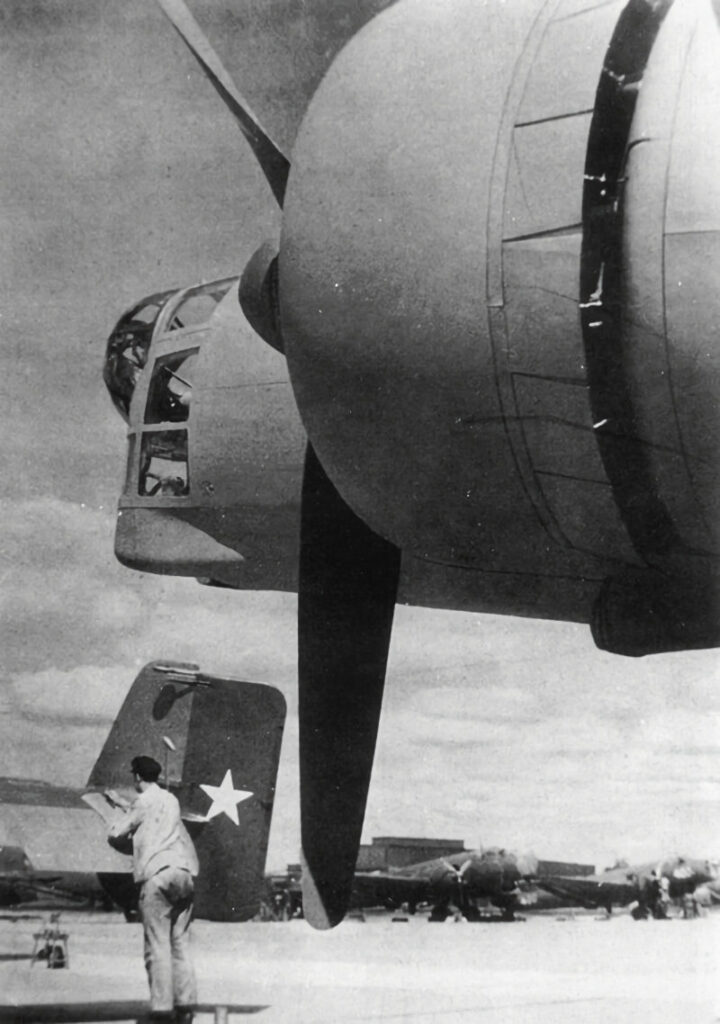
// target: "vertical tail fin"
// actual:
[[219, 740]]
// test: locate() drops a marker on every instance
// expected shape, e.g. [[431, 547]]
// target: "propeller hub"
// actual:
[[258, 294]]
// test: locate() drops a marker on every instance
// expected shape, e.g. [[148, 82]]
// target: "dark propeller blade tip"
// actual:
[[317, 908]]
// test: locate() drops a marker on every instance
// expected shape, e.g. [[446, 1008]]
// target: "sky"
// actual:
[[122, 175]]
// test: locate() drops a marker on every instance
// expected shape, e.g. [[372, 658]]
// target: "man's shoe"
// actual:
[[184, 1014]]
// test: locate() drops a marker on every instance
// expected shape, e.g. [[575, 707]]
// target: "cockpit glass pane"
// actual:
[[127, 350], [147, 313], [126, 356], [170, 390], [164, 464], [199, 305]]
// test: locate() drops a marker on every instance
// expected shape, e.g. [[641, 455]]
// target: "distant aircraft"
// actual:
[[458, 880], [639, 883], [219, 740], [495, 292], [20, 882]]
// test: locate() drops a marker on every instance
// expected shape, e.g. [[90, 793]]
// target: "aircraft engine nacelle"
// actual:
[[215, 444], [497, 292]]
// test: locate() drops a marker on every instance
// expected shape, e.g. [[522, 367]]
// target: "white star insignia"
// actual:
[[225, 798]]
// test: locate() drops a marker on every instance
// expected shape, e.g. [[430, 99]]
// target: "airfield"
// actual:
[[548, 969]]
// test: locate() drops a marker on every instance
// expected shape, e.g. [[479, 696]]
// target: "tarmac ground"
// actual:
[[560, 969]]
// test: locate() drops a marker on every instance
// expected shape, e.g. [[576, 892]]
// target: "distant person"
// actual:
[[690, 905], [164, 865], [655, 900]]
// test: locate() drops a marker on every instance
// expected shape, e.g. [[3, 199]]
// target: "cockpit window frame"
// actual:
[[172, 308], [164, 344], [162, 361], [146, 456], [118, 369]]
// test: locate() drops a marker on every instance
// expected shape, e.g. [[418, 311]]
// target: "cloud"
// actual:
[[88, 695], [55, 722], [587, 756], [63, 591], [67, 600]]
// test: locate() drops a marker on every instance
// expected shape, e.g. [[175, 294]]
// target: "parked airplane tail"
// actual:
[[219, 742]]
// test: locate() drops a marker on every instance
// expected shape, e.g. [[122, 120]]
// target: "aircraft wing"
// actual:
[[55, 829], [38, 888], [591, 890], [372, 889], [110, 814], [101, 806]]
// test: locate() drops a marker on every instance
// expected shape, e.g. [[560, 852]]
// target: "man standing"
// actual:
[[164, 865]]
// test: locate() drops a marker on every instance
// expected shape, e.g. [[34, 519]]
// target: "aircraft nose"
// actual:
[[215, 444]]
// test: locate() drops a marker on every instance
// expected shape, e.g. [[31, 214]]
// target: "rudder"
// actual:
[[226, 736]]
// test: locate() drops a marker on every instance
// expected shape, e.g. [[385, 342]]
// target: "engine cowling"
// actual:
[[448, 303]]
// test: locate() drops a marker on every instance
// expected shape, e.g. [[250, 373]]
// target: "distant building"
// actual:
[[398, 851], [546, 868]]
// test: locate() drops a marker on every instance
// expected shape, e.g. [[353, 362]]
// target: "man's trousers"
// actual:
[[166, 903]]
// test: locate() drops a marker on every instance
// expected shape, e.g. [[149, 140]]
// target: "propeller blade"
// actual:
[[464, 866], [346, 600], [273, 162]]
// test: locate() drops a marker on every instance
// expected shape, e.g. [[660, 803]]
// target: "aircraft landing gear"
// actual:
[[439, 913]]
